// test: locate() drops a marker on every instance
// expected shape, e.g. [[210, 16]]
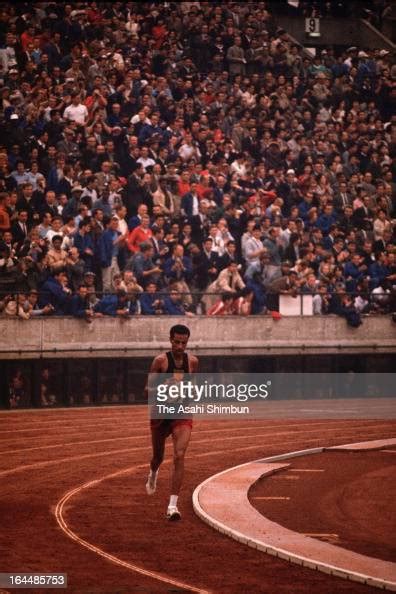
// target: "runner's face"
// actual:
[[179, 343]]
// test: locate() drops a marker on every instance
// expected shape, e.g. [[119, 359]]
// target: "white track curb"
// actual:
[[276, 551]]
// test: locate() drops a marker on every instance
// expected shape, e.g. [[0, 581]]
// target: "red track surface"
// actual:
[[353, 495], [46, 454]]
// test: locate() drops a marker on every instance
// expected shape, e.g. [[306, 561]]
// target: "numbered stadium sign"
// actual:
[[312, 27]]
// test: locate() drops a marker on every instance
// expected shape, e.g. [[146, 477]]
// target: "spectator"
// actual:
[[81, 307], [173, 304], [140, 234], [223, 306], [109, 249], [178, 270], [228, 280], [151, 301], [56, 258], [84, 243], [120, 305], [144, 267], [56, 293]]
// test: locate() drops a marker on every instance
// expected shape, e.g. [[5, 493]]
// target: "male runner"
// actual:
[[175, 361]]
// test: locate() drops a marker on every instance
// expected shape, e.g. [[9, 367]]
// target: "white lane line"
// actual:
[[133, 420], [205, 431], [320, 534], [285, 478], [74, 426], [253, 435], [59, 514], [108, 420], [46, 463], [80, 430], [73, 443], [70, 419], [389, 451], [305, 470]]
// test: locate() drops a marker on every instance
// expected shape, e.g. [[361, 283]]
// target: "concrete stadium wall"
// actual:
[[145, 336]]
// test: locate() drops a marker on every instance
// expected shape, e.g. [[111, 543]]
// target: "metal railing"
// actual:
[[198, 303]]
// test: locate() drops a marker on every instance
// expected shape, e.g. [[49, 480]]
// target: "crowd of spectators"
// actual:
[[187, 158]]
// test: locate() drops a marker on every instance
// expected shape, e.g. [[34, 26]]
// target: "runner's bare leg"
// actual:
[[181, 436]]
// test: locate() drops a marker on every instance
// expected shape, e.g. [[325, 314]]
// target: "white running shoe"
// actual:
[[173, 513], [151, 485]]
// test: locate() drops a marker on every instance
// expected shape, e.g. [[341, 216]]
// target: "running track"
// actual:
[[72, 500]]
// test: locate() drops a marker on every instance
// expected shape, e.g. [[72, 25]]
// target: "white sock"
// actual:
[[173, 501], [153, 474]]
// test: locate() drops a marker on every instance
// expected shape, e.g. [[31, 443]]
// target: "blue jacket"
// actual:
[[259, 299], [78, 306], [82, 243], [172, 274], [378, 273], [351, 270], [303, 209], [324, 222], [106, 247], [146, 302], [53, 293], [109, 304], [147, 131], [173, 309]]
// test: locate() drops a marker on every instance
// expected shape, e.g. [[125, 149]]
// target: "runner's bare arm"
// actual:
[[193, 363], [158, 365]]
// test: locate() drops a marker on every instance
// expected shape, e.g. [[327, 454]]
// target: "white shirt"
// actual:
[[239, 168], [252, 245], [122, 226], [187, 151], [76, 113], [148, 162], [195, 205]]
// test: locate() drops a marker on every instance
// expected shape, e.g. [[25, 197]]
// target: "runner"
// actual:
[[177, 362]]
